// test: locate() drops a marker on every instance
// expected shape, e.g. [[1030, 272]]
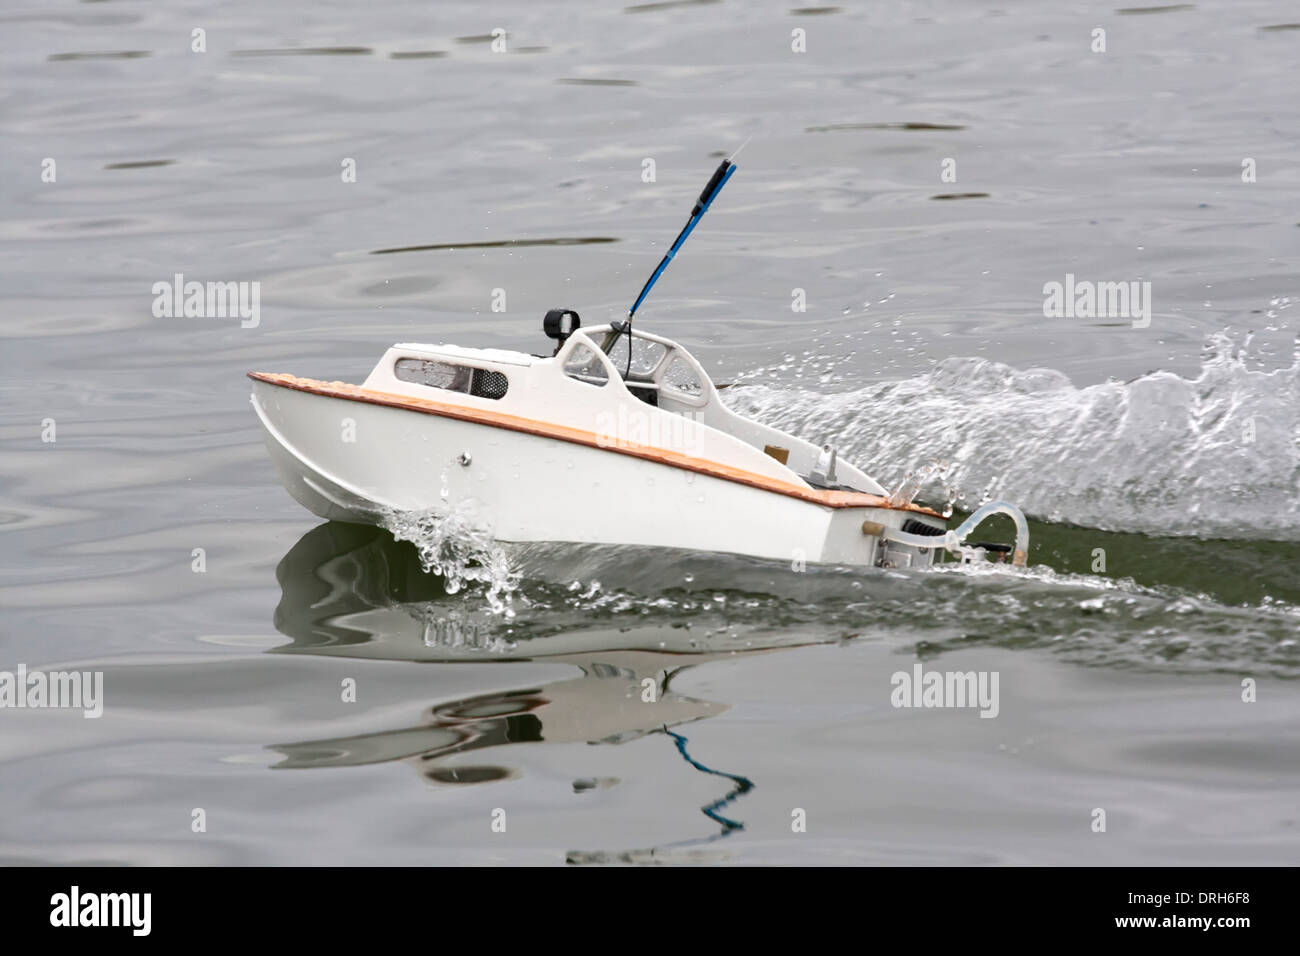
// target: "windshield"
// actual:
[[646, 356]]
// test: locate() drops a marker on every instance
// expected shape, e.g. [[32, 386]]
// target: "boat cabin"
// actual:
[[657, 398]]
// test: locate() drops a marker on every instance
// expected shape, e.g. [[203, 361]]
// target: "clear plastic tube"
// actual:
[[953, 540]]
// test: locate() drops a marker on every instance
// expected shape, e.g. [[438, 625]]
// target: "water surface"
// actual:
[[1171, 448]]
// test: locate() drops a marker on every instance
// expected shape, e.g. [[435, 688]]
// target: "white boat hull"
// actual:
[[356, 460]]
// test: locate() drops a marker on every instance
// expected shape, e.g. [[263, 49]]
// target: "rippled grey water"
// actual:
[[1172, 448]]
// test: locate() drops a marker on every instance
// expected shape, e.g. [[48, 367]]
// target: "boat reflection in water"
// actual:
[[353, 591]]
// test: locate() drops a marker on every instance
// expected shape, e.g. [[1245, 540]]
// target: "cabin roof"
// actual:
[[456, 351]]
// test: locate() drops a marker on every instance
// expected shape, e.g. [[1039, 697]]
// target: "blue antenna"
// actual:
[[716, 182]]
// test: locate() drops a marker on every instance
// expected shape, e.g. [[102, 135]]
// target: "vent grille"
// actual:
[[489, 384], [913, 526]]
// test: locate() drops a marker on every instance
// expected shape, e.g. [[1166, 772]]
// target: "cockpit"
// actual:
[[658, 371]]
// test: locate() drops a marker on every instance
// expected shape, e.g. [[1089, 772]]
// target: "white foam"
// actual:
[[457, 545], [1214, 455]]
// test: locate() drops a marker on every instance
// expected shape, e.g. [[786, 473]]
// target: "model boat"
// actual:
[[618, 437]]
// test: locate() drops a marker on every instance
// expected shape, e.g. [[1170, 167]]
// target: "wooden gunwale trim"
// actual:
[[482, 416]]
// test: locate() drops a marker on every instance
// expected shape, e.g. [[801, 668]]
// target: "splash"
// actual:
[[455, 544], [914, 481], [1217, 455]]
